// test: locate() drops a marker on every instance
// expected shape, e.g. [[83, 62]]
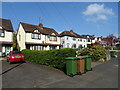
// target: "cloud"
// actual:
[[95, 12]]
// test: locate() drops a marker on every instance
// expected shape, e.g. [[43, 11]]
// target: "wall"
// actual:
[[21, 33], [52, 42], [8, 37], [29, 38]]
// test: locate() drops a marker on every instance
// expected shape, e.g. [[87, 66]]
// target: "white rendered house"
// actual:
[[70, 39]]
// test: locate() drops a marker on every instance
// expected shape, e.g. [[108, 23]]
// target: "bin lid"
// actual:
[[71, 58], [80, 57]]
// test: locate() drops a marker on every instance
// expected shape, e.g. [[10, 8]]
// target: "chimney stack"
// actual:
[[41, 25], [71, 30]]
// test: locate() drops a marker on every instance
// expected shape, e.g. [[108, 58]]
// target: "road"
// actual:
[[31, 75]]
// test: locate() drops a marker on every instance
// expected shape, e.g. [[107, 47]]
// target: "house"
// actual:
[[70, 39], [90, 39], [37, 37], [6, 36]]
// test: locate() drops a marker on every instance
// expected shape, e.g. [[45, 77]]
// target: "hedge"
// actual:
[[53, 58]]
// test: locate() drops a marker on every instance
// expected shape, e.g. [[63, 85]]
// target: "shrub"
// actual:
[[83, 52], [53, 58], [97, 52], [118, 46], [108, 48]]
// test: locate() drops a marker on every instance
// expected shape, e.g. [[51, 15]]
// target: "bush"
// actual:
[[118, 46], [53, 58], [97, 52], [108, 48], [83, 52]]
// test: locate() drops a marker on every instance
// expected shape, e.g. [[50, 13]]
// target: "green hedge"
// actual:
[[53, 58]]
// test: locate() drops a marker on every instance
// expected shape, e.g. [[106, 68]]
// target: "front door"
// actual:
[[7, 50]]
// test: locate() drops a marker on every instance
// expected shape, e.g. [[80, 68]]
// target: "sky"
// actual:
[[94, 18]]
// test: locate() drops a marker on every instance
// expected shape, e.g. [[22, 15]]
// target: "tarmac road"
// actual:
[[31, 75]]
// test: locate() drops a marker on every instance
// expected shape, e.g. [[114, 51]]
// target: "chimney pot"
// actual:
[[40, 25]]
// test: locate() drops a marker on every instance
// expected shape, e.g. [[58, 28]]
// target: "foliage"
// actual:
[[14, 41], [83, 52], [53, 58], [108, 48], [97, 52], [118, 46]]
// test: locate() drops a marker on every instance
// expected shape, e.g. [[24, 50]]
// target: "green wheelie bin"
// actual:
[[88, 60], [113, 53], [71, 66]]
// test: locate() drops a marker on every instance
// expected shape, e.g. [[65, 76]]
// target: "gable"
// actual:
[[1, 27], [53, 34]]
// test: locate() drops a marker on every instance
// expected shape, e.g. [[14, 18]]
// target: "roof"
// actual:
[[71, 33], [67, 33], [6, 24], [6, 43], [44, 30], [45, 44], [90, 36]]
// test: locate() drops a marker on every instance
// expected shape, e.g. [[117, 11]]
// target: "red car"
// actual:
[[15, 56]]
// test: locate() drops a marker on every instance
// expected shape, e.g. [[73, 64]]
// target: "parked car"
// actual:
[[15, 56]]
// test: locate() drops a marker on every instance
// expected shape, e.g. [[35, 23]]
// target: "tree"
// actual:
[[14, 42]]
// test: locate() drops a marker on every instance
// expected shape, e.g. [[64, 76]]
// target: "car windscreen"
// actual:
[[17, 53]]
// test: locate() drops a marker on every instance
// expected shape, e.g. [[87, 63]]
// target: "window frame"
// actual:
[[54, 37], [3, 33], [34, 37]]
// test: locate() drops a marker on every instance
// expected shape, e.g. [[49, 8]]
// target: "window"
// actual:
[[81, 40], [67, 38], [67, 45], [19, 37], [36, 36], [74, 46], [2, 33], [52, 47], [53, 38], [88, 40], [74, 38], [63, 42], [80, 47], [37, 47]]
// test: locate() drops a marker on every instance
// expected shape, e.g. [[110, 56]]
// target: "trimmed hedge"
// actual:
[[53, 58]]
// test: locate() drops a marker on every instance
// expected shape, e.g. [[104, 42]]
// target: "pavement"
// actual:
[[31, 75]]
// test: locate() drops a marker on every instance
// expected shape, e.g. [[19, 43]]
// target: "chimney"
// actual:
[[41, 25], [71, 30]]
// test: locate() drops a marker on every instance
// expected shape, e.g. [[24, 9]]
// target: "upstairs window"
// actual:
[[80, 40], [88, 40], [74, 39], [53, 38], [67, 38], [36, 36], [2, 33]]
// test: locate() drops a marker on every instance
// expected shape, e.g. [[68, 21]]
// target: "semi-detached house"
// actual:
[[70, 39], [6, 36], [37, 37]]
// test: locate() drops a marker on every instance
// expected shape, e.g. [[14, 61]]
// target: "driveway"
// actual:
[[31, 75]]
